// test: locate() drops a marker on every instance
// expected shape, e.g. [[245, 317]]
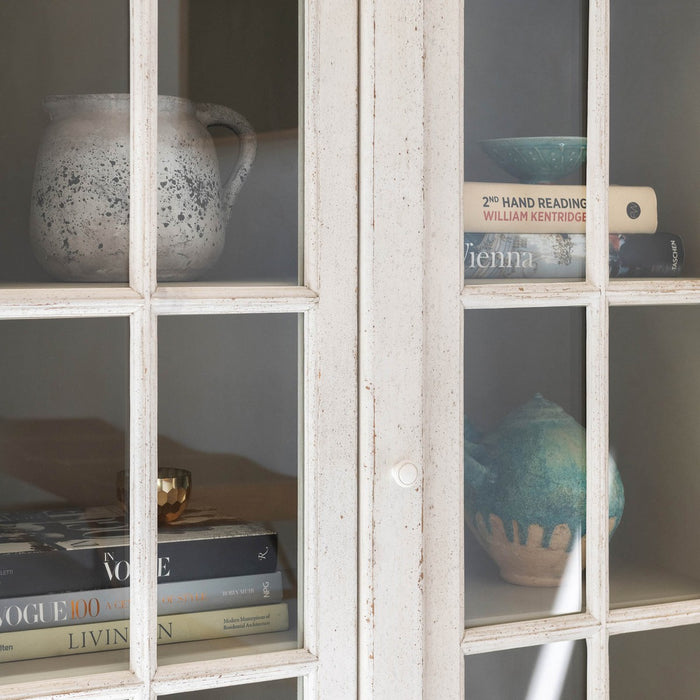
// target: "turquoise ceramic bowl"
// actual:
[[538, 159]]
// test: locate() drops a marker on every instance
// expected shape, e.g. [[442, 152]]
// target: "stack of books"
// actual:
[[64, 580], [538, 231]]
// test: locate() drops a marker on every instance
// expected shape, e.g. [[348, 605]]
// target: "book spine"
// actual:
[[546, 255], [40, 572], [187, 627], [109, 604], [492, 207]]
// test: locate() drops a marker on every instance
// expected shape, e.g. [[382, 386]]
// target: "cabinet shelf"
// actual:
[[494, 601], [650, 291], [55, 300], [527, 294], [115, 663]]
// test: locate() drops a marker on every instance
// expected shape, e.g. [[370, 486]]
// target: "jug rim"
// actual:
[[53, 103]]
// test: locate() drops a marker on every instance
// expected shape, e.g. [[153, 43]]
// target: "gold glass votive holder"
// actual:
[[173, 492], [174, 486]]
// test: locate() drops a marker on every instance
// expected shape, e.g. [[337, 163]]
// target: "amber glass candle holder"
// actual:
[[173, 492]]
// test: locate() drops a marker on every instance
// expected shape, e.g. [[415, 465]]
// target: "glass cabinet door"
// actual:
[[179, 324], [560, 392]]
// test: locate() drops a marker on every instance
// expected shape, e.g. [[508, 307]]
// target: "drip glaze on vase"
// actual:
[[526, 492]]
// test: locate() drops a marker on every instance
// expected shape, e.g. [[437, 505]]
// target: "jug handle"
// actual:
[[218, 115]]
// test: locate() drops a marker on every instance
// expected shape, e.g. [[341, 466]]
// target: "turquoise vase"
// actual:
[[525, 494]]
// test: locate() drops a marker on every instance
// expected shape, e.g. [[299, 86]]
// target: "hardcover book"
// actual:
[[81, 639], [87, 548], [496, 207], [556, 255], [109, 604]]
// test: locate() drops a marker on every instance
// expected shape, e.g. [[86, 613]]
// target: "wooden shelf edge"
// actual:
[[105, 686], [478, 640], [216, 673], [651, 617], [528, 294]]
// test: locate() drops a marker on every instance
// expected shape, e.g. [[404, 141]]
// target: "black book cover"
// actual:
[[75, 549], [655, 255]]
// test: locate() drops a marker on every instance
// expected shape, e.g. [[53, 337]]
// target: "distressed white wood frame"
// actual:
[[326, 662], [409, 615], [392, 348]]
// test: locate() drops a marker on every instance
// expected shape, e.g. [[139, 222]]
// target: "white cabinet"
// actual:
[[317, 376]]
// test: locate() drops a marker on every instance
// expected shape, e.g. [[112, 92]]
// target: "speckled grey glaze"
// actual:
[[79, 219]]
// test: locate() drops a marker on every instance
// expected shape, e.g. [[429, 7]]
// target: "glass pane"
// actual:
[[285, 689], [657, 664], [654, 403], [653, 91], [228, 415], [64, 560], [549, 672], [238, 63], [524, 143], [64, 190], [524, 463]]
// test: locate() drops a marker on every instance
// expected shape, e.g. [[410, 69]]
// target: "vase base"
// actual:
[[529, 564]]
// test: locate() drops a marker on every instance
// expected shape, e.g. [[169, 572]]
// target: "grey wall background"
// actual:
[[512, 354], [655, 110], [655, 405], [525, 75], [655, 377], [243, 53], [507, 675], [48, 47], [664, 664]]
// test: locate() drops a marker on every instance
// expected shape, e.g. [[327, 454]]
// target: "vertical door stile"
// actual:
[[443, 381], [143, 353], [309, 402], [143, 513], [330, 339], [391, 348], [365, 668], [597, 576], [144, 149]]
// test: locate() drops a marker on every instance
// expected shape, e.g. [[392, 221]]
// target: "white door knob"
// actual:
[[405, 474]]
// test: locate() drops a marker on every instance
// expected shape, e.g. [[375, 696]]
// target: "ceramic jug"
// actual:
[[79, 218], [525, 497]]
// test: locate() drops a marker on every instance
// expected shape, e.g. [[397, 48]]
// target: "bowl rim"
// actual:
[[545, 140]]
